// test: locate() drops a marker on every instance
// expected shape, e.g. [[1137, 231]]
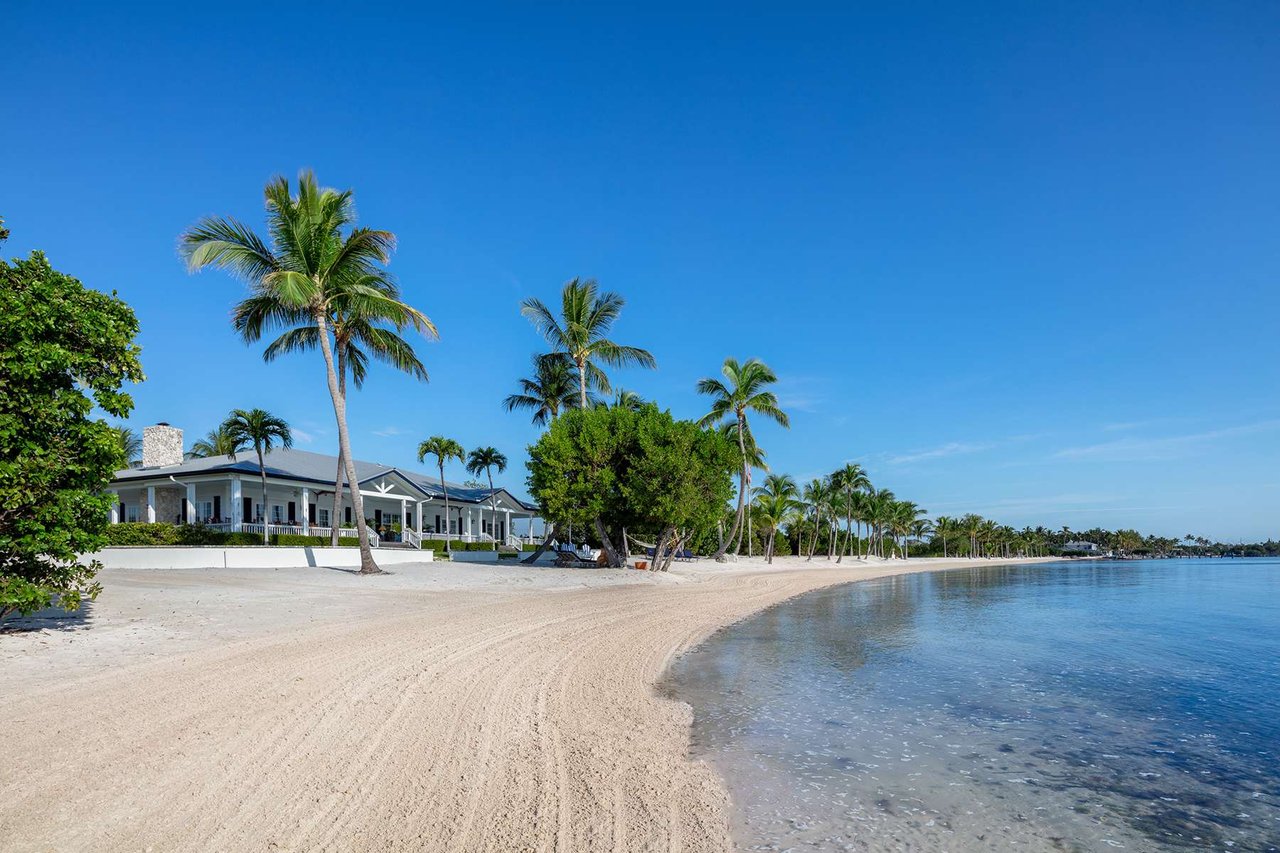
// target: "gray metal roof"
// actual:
[[293, 464]]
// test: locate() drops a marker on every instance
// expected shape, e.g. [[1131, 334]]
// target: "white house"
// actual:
[[226, 494], [1080, 547]]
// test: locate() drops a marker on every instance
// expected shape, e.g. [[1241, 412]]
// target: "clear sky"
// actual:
[[1021, 259]]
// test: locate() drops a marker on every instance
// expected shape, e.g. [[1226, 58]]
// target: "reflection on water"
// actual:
[[1090, 706]]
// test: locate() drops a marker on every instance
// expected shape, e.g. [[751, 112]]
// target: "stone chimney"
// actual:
[[161, 445]]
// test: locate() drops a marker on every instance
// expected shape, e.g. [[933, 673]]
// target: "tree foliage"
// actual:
[[637, 469], [66, 348]]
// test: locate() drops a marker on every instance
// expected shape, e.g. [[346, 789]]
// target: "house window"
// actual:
[[323, 515], [277, 514], [348, 515], [130, 512], [204, 511]]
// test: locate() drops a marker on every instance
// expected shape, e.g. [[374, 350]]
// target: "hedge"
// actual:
[[139, 533], [437, 545]]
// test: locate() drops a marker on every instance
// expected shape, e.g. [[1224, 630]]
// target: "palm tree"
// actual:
[[849, 480], [586, 316], [818, 495], [219, 442], [443, 449], [755, 458], [260, 429], [774, 510], [553, 388], [358, 335], [904, 516], [130, 445], [486, 459], [309, 266], [942, 526], [970, 525], [745, 388], [625, 399]]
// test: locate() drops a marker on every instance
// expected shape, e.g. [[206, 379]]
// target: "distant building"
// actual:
[[226, 494], [1081, 548]]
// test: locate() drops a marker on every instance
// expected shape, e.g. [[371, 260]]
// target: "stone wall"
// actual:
[[169, 503]]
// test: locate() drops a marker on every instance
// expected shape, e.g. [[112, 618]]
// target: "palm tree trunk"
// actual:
[[448, 522], [337, 480], [367, 565], [736, 530], [493, 502], [262, 470], [582, 382]]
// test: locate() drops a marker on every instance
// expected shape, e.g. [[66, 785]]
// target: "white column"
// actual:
[[115, 507], [404, 515], [191, 504], [306, 511], [151, 504], [237, 505], [468, 524], [506, 525], [419, 518]]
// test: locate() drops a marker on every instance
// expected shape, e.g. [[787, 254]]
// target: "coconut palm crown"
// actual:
[[261, 430], [443, 449], [581, 332], [486, 459]]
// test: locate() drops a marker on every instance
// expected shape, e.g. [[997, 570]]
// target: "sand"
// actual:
[[442, 707]]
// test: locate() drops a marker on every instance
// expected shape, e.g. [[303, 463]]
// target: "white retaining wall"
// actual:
[[283, 557]]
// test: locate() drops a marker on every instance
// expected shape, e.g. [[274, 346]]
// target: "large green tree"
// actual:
[[65, 349], [314, 257], [618, 468]]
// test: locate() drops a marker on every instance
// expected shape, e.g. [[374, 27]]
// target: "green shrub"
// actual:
[[140, 533], [242, 539], [299, 539]]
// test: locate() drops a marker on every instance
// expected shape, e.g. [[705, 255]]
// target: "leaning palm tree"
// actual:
[[443, 449], [581, 330], [745, 388], [262, 430], [486, 459], [849, 480], [313, 257], [359, 334], [552, 389], [218, 442], [130, 445]]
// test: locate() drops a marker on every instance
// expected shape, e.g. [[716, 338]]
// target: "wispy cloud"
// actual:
[[1165, 447], [954, 448], [387, 432], [800, 393], [302, 435]]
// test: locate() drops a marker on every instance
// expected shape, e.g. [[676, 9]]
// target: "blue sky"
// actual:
[[1020, 259]]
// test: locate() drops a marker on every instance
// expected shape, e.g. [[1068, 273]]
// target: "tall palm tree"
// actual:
[[358, 335], [486, 459], [130, 445], [755, 458], [443, 449], [745, 388], [262, 430], [970, 525], [218, 442], [552, 388], [943, 525], [849, 480], [314, 256], [581, 330], [818, 495]]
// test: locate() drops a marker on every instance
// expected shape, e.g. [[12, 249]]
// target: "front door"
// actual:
[[248, 511]]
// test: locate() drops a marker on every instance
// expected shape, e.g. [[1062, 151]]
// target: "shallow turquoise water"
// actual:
[[1082, 706]]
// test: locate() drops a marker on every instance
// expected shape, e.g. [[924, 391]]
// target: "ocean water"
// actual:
[[1082, 706]]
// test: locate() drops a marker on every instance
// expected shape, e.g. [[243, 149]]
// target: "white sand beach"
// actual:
[[440, 707]]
